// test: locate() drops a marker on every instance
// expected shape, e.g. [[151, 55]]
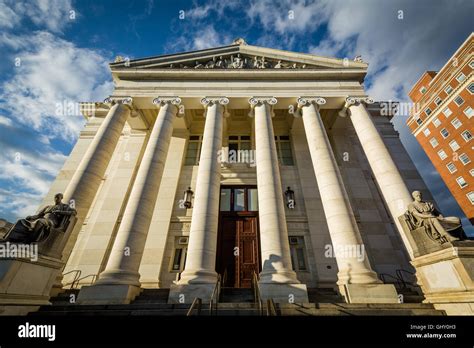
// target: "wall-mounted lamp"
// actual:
[[188, 195], [290, 198]]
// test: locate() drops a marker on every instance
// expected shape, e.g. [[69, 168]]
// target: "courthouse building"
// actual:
[[237, 163]]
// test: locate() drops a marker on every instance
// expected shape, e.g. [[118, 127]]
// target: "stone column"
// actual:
[[199, 276], [355, 273], [119, 281], [86, 180], [277, 279], [389, 180]]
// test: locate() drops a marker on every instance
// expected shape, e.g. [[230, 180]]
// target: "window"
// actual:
[[426, 132], [470, 196], [461, 77], [451, 167], [179, 255], [461, 182], [470, 88], [471, 172], [298, 257], [471, 64], [454, 145], [428, 111], [436, 122], [434, 142], [442, 154], [193, 151], [464, 159], [444, 133], [422, 90], [456, 123], [448, 90], [447, 112], [235, 199], [458, 100], [468, 112], [466, 135], [418, 120], [240, 149], [438, 101], [283, 146]]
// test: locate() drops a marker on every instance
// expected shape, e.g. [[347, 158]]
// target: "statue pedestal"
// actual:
[[26, 284], [447, 278]]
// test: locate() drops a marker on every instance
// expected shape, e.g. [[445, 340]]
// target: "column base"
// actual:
[[284, 293], [107, 294], [369, 293], [186, 293]]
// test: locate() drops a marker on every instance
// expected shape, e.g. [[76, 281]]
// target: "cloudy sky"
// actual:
[[56, 52]]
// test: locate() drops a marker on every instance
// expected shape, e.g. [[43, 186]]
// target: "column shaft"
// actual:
[[201, 255], [275, 249], [124, 261], [345, 235], [389, 180]]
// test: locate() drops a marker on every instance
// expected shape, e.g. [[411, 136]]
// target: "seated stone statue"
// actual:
[[439, 228], [36, 228]]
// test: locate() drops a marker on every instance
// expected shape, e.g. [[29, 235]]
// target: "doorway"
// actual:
[[238, 242]]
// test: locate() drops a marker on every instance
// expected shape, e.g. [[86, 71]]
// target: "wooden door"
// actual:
[[248, 256]]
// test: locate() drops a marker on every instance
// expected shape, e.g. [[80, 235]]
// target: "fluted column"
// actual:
[[124, 260], [122, 267], [201, 254], [275, 249], [340, 218], [389, 179], [88, 176]]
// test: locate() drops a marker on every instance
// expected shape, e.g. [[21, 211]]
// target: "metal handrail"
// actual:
[[382, 278], [94, 276], [271, 308], [78, 274], [215, 296], [256, 293], [197, 302]]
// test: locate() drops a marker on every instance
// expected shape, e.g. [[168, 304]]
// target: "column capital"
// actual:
[[161, 101], [307, 101], [255, 101], [352, 101], [209, 101], [119, 100]]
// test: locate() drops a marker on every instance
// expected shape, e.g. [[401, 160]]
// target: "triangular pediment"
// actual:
[[237, 56]]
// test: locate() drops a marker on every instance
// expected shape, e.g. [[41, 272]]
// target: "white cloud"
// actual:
[[51, 14], [53, 72]]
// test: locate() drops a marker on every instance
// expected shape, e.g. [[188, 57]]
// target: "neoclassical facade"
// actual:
[[237, 163]]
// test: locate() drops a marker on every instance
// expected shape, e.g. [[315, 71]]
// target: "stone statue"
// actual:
[[37, 227], [220, 63], [439, 228], [237, 62]]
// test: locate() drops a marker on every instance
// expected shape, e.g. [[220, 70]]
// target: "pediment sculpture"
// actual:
[[239, 61]]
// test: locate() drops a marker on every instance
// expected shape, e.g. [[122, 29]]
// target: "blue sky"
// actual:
[[57, 52]]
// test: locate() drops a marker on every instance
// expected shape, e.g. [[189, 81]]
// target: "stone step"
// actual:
[[236, 295]]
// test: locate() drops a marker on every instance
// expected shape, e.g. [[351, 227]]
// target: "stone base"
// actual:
[[186, 293], [447, 278], [369, 293], [107, 294], [284, 293], [25, 284]]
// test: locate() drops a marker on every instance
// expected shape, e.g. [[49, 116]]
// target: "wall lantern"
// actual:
[[290, 198], [188, 195]]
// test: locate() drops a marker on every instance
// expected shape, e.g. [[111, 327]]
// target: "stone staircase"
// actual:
[[236, 302]]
